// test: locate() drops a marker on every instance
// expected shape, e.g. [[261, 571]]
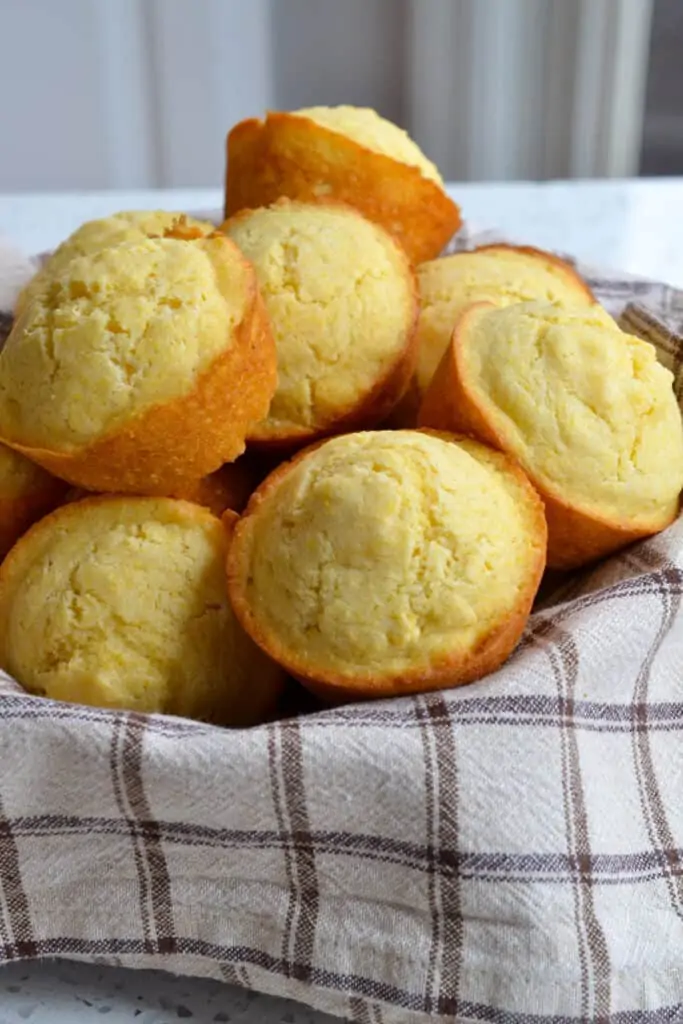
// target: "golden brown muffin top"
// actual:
[[115, 333], [121, 602], [94, 235], [382, 552], [500, 274], [365, 126], [340, 296], [585, 407]]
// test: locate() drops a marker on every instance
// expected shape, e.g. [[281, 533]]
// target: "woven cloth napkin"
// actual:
[[510, 852]]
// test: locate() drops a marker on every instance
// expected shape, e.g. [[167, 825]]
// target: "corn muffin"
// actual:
[[27, 492], [346, 153], [122, 603], [389, 562], [585, 409], [141, 367], [501, 274], [342, 303], [128, 226]]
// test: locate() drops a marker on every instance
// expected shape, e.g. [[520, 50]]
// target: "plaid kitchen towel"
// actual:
[[509, 852]]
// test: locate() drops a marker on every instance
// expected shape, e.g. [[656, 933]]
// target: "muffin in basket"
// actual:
[[502, 274], [141, 367], [27, 492], [128, 226], [347, 153], [585, 409], [342, 303], [389, 562], [122, 603]]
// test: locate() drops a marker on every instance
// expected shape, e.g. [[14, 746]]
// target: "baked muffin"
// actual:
[[128, 226], [121, 603], [141, 367], [585, 409], [347, 153], [342, 303], [502, 274], [27, 492], [386, 563]]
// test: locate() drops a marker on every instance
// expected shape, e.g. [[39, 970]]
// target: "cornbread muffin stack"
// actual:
[[140, 358], [152, 349]]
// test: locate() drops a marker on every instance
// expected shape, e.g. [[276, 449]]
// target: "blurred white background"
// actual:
[[98, 94]]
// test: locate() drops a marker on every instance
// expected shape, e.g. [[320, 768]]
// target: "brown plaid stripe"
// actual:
[[511, 852], [15, 917], [652, 804], [527, 868], [441, 789], [525, 709], [563, 655], [289, 797], [156, 910]]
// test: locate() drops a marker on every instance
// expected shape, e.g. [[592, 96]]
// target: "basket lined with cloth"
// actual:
[[511, 851]]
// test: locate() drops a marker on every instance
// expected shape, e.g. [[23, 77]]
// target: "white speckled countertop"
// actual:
[[630, 225]]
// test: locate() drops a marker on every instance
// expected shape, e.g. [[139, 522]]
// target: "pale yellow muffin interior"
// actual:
[[19, 476], [127, 226], [385, 551], [123, 603], [502, 276], [341, 301], [116, 332], [585, 407], [367, 128]]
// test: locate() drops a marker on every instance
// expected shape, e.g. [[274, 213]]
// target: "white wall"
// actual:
[[126, 93], [134, 93], [334, 49], [53, 131], [98, 94]]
